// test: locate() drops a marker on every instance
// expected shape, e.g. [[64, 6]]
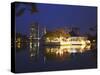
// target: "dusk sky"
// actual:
[[53, 16]]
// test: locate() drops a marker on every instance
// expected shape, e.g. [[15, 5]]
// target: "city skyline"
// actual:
[[50, 37], [55, 16]]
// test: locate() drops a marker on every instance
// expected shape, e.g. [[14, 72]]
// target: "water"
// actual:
[[39, 58]]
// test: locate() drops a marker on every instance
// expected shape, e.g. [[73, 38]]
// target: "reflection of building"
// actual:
[[33, 52], [18, 42], [67, 49], [34, 40], [21, 40], [64, 52]]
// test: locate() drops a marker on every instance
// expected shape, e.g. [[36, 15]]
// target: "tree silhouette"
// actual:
[[93, 28], [21, 8]]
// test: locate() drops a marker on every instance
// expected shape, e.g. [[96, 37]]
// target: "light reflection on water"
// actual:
[[55, 52], [73, 56], [68, 49], [64, 52], [49, 52]]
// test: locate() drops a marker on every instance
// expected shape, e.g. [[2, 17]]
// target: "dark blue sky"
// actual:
[[53, 16]]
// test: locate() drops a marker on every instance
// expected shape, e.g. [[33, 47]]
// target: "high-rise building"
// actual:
[[34, 31]]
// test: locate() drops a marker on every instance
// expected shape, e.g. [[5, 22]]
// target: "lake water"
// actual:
[[33, 58]]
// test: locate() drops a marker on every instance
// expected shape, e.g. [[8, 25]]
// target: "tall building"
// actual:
[[34, 31]]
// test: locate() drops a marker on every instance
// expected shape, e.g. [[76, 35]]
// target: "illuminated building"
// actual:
[[69, 41], [34, 40]]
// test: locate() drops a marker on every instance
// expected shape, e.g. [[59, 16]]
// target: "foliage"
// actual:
[[56, 34], [21, 8]]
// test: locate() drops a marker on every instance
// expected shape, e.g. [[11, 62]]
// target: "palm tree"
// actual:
[[20, 8]]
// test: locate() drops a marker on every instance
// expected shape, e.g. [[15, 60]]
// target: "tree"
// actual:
[[20, 8], [93, 30], [56, 34], [61, 33], [49, 35]]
